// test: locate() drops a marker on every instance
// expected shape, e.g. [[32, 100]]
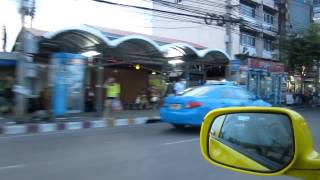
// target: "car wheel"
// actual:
[[179, 126]]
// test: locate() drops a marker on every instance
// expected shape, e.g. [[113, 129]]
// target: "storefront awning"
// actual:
[[83, 38]]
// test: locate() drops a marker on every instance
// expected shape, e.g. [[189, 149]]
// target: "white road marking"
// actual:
[[182, 141], [12, 166]]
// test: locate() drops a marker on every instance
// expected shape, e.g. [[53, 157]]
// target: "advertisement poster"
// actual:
[[67, 81]]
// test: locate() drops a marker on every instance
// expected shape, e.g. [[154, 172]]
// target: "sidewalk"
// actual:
[[78, 121]]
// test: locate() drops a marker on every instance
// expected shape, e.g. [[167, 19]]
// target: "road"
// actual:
[[141, 152]]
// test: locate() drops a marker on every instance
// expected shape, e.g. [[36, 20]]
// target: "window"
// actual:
[[200, 91], [268, 18], [247, 40], [243, 94], [247, 10], [235, 93], [268, 45]]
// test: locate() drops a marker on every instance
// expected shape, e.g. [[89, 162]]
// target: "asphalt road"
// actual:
[[142, 152]]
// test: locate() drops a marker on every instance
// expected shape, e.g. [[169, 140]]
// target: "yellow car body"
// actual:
[[304, 164]]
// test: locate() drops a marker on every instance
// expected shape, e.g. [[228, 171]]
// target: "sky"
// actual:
[[52, 15]]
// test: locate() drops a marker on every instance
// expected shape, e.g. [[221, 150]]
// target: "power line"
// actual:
[[158, 27], [188, 8], [196, 22], [185, 8], [162, 11]]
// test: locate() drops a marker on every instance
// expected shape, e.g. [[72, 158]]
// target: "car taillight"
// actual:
[[193, 105]]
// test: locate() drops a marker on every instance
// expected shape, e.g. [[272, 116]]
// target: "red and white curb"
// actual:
[[63, 126]]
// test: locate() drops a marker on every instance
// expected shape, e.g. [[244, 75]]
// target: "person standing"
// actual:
[[112, 94], [179, 87]]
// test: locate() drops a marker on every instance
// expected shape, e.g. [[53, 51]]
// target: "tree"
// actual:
[[302, 51]]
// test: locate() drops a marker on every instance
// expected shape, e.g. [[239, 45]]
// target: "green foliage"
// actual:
[[302, 50]]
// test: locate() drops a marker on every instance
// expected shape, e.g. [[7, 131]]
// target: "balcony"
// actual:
[[270, 54], [248, 18], [271, 4], [270, 29]]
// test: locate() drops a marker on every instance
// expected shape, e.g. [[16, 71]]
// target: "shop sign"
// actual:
[[266, 65]]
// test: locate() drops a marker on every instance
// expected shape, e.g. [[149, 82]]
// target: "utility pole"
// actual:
[[283, 17], [20, 100], [26, 48], [228, 39], [4, 38]]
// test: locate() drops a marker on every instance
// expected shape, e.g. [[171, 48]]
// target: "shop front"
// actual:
[[7, 80], [141, 64], [265, 79]]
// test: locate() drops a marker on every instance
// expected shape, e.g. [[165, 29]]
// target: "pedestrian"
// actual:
[[112, 95], [179, 87], [169, 89], [154, 97]]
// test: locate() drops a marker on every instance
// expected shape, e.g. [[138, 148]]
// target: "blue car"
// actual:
[[190, 107]]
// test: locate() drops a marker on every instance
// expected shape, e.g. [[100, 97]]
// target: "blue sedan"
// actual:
[[191, 107]]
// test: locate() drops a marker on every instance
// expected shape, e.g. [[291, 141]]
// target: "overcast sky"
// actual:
[[53, 15]]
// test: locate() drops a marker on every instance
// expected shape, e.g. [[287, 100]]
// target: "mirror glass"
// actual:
[[261, 142]]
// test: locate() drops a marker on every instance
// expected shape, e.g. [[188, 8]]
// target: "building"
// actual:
[[8, 66], [260, 70], [212, 30], [316, 11], [136, 61], [255, 59], [300, 16], [136, 52], [259, 31], [209, 33]]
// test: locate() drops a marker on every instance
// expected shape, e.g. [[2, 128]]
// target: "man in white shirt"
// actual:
[[179, 87]]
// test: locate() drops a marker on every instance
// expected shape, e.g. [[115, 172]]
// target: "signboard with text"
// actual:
[[270, 66]]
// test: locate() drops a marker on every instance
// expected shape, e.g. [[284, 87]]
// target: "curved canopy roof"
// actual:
[[84, 38]]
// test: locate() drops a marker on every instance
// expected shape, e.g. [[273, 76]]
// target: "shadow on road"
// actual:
[[186, 130]]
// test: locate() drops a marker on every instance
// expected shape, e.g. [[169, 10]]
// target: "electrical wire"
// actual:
[[159, 27], [165, 4], [161, 11], [187, 8]]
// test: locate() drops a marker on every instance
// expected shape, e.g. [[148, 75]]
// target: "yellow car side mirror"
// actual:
[[265, 141]]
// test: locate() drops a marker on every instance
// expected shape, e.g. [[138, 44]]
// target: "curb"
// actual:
[[65, 126]]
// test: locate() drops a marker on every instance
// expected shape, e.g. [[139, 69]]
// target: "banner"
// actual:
[[67, 80]]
